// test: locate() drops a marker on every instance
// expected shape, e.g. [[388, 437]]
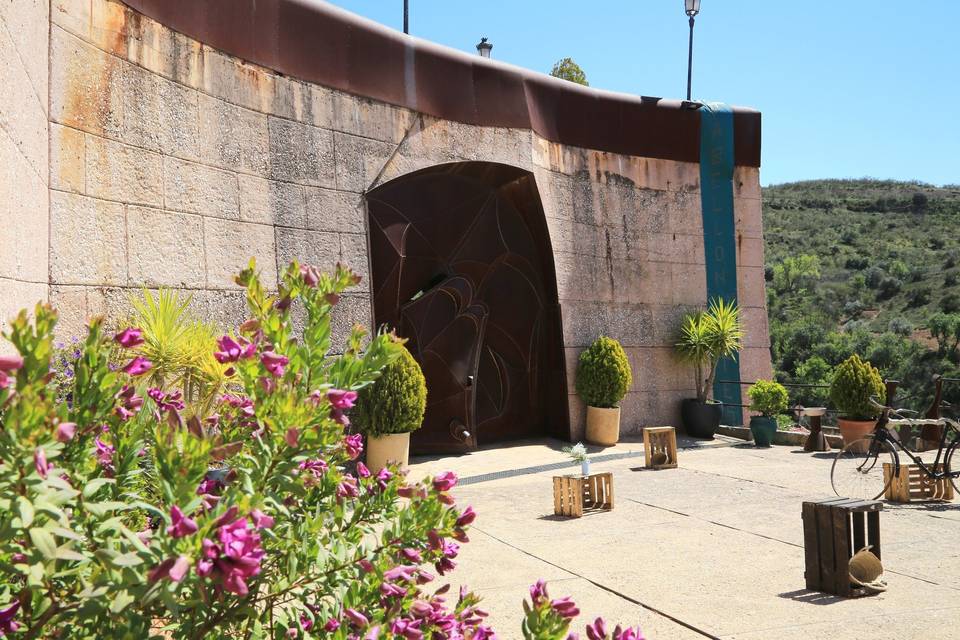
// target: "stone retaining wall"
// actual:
[[171, 164]]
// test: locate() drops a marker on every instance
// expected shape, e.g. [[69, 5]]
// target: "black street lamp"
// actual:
[[484, 48], [406, 16], [692, 8]]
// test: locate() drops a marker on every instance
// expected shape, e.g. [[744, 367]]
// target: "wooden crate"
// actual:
[[660, 441], [833, 530], [913, 485], [574, 495]]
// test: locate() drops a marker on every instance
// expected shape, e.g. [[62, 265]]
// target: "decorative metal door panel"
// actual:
[[462, 268]]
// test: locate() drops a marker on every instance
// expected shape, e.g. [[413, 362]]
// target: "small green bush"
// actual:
[[854, 383], [603, 374], [395, 402], [768, 397]]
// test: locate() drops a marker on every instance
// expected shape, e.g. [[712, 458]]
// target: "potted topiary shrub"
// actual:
[[770, 399], [390, 409], [705, 338], [603, 377], [854, 384]]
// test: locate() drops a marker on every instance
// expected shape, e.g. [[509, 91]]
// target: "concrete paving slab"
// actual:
[[715, 545]]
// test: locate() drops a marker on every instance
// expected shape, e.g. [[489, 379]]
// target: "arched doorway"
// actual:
[[462, 267]]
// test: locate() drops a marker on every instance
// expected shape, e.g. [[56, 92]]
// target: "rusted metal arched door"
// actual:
[[462, 267]]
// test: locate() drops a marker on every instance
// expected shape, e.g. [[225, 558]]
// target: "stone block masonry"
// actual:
[[134, 156]]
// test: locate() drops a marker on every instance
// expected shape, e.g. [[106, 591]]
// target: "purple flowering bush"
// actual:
[[129, 512]]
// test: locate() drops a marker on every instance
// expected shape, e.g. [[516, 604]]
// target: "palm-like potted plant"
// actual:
[[390, 409], [770, 399], [705, 338], [603, 378], [855, 383]]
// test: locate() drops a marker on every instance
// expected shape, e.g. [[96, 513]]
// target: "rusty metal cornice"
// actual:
[[317, 42]]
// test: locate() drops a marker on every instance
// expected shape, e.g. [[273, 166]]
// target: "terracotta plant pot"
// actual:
[[700, 419], [763, 430], [394, 447], [603, 426], [853, 430]]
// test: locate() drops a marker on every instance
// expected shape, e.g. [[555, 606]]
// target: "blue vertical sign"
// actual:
[[719, 233]]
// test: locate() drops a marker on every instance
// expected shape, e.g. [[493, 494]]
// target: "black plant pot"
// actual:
[[700, 420]]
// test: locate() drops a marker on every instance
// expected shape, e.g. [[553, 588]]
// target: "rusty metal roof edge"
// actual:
[[315, 41]]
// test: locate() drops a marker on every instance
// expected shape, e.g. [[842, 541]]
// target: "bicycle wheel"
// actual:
[[857, 470], [950, 465]]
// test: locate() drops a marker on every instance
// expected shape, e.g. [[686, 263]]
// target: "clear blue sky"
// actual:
[[847, 88]]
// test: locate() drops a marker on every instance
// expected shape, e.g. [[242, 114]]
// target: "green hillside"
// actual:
[[864, 266]]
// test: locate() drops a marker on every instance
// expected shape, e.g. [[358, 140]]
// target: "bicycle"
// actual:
[[857, 469]]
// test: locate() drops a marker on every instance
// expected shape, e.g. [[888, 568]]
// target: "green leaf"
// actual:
[[25, 511], [120, 602], [91, 488], [101, 509], [127, 560], [44, 541], [66, 553]]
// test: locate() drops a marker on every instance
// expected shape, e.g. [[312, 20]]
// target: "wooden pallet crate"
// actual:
[[660, 447], [575, 495], [833, 530], [911, 484]]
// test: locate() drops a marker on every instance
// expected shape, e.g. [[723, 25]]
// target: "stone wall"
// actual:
[[171, 164], [24, 25]]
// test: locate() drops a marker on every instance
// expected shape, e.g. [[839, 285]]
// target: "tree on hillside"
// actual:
[[567, 69], [794, 274]]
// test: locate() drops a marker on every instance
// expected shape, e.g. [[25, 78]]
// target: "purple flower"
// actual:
[[129, 338], [466, 517], [174, 568], [566, 607], [383, 478], [274, 362], [7, 623], [340, 401], [331, 625], [232, 350], [180, 525], [597, 630], [630, 633], [362, 470], [347, 488], [4, 380], [130, 402], [236, 556], [9, 364], [66, 431], [40, 463], [292, 437], [538, 592], [261, 520], [172, 401], [104, 454], [356, 617], [445, 481], [310, 275], [353, 445], [138, 366], [411, 555], [305, 623]]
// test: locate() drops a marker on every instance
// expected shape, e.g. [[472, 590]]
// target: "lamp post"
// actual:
[[484, 48], [692, 8], [406, 16]]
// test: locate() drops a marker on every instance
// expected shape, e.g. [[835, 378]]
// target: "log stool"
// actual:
[[572, 495], [833, 530], [816, 441], [660, 447], [913, 485]]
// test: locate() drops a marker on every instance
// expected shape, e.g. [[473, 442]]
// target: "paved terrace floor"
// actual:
[[712, 549]]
